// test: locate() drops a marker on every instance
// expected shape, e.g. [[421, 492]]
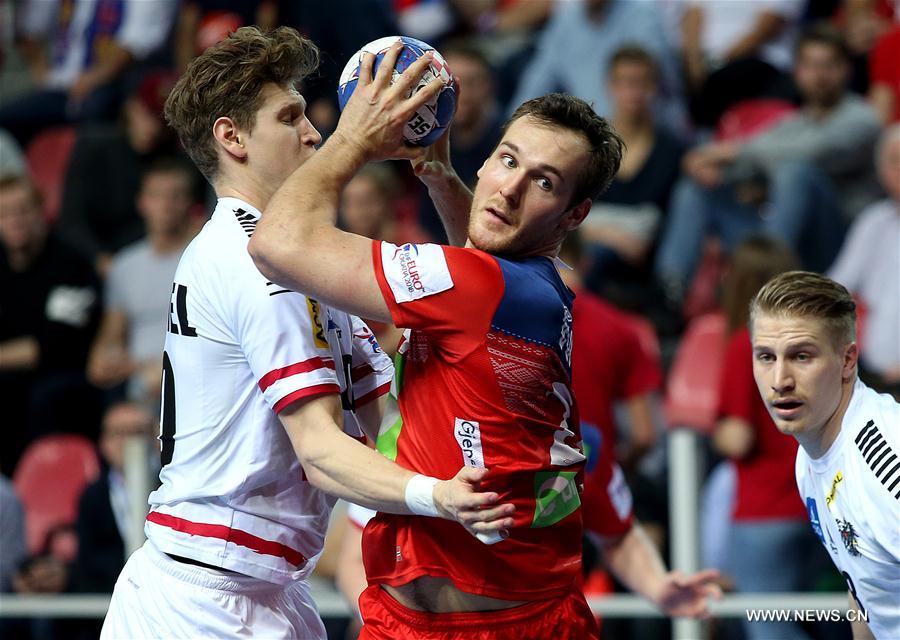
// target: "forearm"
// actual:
[[453, 201], [636, 563], [19, 354], [767, 27], [346, 468]]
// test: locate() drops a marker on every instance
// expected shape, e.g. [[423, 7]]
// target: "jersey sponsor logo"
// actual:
[[367, 336], [832, 494], [848, 536], [813, 512], [246, 220], [415, 271], [562, 453], [318, 327], [556, 496], [468, 437], [879, 457], [565, 338]]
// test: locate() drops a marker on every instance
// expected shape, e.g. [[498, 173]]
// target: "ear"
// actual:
[[229, 137], [576, 215], [851, 357], [481, 168]]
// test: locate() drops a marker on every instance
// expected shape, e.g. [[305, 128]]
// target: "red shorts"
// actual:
[[564, 618]]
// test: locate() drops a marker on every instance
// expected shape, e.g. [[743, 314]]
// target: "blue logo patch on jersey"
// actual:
[[814, 518]]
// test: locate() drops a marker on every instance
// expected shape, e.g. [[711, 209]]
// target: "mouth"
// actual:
[[787, 408], [498, 215]]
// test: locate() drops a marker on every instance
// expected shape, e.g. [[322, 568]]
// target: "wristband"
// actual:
[[420, 495], [489, 538]]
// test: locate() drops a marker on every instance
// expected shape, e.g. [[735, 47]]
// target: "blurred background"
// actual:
[[762, 135]]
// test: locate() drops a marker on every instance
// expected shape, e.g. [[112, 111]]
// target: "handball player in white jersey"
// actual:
[[262, 387], [803, 328]]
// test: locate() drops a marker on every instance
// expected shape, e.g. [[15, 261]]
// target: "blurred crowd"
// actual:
[[762, 135]]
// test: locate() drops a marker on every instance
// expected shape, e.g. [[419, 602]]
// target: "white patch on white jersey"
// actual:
[[414, 271], [468, 436]]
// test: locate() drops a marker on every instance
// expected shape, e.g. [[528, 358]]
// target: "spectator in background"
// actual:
[[884, 76], [49, 311], [869, 266], [93, 43], [800, 181], [12, 534], [103, 510], [476, 124], [770, 541], [574, 50], [202, 23], [130, 341], [736, 49], [622, 228], [98, 212]]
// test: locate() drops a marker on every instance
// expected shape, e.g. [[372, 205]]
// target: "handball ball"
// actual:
[[430, 121]]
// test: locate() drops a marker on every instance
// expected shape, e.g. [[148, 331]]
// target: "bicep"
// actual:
[[308, 419]]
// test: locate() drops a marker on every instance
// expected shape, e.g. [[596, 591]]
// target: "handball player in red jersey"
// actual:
[[483, 376]]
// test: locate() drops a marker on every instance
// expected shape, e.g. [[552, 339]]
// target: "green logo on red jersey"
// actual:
[[556, 496]]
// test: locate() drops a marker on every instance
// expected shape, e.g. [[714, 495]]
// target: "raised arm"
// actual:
[[296, 243]]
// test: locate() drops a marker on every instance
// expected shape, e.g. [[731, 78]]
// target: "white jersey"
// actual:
[[238, 350], [852, 494]]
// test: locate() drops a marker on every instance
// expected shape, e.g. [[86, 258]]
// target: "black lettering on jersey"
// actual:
[[246, 220], [178, 320], [275, 289], [879, 456]]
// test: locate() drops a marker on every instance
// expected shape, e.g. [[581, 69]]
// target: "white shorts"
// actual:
[[157, 597]]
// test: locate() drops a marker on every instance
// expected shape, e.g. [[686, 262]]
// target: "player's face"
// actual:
[[800, 372], [521, 206], [282, 138]]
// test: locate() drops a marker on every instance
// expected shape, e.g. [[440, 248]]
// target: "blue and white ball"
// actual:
[[430, 121]]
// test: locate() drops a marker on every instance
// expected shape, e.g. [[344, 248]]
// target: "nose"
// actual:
[[782, 378], [309, 135], [511, 188]]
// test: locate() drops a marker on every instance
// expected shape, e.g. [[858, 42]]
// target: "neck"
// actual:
[[821, 110], [817, 443], [22, 258]]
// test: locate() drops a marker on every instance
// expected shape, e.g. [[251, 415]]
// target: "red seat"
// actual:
[[750, 117], [692, 393], [49, 480], [47, 156]]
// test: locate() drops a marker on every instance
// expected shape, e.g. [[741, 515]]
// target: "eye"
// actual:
[[508, 161], [545, 184], [765, 357], [803, 357]]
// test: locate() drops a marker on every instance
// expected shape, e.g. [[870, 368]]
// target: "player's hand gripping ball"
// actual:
[[430, 121]]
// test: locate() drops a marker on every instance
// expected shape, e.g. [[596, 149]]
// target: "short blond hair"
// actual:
[[803, 294], [227, 80]]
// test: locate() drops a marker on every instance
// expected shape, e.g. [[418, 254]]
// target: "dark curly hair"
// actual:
[[226, 80]]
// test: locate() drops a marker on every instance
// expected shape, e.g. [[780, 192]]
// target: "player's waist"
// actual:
[[440, 595]]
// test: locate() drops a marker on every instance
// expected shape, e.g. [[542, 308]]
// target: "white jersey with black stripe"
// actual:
[[852, 495], [238, 350]]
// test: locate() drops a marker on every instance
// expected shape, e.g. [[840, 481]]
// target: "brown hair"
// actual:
[[12, 180], [809, 295], [605, 146], [756, 260], [823, 33], [635, 54], [226, 80]]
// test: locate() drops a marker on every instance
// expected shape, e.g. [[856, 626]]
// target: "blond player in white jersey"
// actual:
[[803, 328], [262, 387]]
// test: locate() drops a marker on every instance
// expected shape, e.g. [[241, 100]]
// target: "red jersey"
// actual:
[[484, 380], [765, 477]]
